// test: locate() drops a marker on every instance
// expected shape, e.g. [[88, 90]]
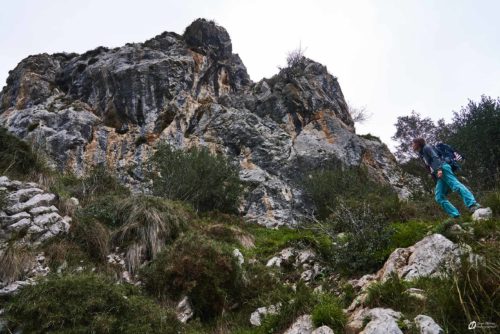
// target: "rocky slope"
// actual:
[[114, 106]]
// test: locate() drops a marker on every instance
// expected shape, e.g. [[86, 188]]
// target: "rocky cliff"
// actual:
[[114, 106]]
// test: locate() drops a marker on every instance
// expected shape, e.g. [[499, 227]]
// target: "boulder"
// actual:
[[482, 214], [303, 325], [431, 256], [184, 310], [380, 321], [323, 330], [239, 257], [258, 315], [427, 325]]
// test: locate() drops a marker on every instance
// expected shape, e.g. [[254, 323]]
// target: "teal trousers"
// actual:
[[450, 182]]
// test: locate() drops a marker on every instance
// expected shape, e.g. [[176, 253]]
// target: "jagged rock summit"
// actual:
[[114, 106]]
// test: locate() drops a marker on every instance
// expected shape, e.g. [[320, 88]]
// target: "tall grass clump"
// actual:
[[146, 225], [15, 261], [86, 303], [329, 312], [207, 181]]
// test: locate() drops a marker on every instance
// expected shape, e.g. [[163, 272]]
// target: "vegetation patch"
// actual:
[[327, 187], [329, 312], [360, 237], [86, 303], [470, 294], [17, 158], [203, 269], [146, 225]]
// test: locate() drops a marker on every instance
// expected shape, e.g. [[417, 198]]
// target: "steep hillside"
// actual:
[[115, 106]]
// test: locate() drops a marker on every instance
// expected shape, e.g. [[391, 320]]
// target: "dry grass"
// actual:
[[148, 223], [14, 262], [93, 237]]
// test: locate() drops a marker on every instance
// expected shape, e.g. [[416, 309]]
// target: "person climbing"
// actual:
[[445, 179]]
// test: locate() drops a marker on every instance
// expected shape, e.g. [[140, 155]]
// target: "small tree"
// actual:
[[295, 57], [359, 115], [410, 127]]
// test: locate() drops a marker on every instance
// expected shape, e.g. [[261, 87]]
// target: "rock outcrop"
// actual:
[[114, 106], [28, 219]]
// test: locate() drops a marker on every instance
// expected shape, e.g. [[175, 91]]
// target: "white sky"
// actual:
[[390, 56]]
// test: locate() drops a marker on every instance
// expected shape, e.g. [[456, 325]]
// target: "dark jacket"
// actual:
[[431, 158]]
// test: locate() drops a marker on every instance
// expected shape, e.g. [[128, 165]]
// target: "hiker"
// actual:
[[445, 179]]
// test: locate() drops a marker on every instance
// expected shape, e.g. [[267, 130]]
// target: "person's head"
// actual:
[[417, 144]]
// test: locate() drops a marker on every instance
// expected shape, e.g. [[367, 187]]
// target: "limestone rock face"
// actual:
[[114, 106]]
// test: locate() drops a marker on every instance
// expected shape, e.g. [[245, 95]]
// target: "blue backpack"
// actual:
[[449, 155]]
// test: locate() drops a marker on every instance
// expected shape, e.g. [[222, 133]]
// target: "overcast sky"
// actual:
[[391, 56]]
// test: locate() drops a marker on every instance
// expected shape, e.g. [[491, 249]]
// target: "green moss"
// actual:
[[86, 303]]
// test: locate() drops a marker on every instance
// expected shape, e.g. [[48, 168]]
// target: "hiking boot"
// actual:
[[474, 207]]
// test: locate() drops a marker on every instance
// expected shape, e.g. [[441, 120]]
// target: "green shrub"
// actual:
[[86, 303], [328, 186], [365, 237], [492, 200], [103, 209], [17, 157], [203, 269], [329, 313], [207, 181]]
